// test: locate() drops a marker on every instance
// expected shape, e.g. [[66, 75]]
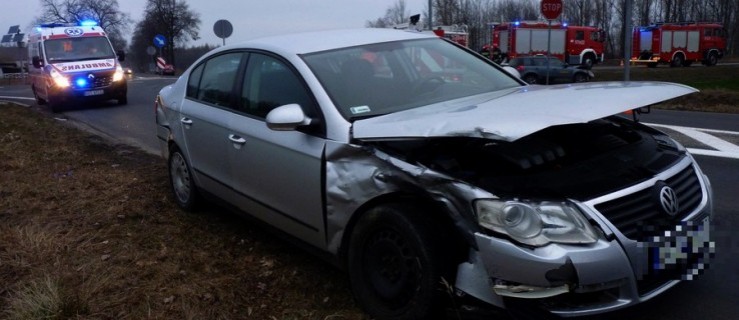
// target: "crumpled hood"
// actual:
[[511, 115]]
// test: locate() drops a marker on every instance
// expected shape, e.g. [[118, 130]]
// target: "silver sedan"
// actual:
[[431, 174]]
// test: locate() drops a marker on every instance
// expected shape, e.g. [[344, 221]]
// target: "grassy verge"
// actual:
[[88, 231], [719, 85]]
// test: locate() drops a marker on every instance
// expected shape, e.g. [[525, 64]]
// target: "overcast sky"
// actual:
[[250, 18]]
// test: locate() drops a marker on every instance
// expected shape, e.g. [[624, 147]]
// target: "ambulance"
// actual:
[[74, 62]]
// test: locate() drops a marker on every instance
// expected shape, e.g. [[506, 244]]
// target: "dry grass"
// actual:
[[88, 231]]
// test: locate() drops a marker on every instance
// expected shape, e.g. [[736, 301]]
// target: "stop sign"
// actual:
[[551, 9]]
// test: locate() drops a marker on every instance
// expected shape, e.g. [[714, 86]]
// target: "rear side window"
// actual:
[[217, 79]]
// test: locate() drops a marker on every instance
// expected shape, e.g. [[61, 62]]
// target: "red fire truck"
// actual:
[[679, 44], [572, 44], [456, 33]]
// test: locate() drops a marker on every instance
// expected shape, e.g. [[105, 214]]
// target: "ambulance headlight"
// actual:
[[118, 75], [60, 80]]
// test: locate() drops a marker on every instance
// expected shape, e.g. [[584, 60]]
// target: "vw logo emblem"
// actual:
[[668, 201], [91, 76]]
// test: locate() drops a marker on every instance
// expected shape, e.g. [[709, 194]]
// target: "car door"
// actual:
[[204, 118], [278, 174]]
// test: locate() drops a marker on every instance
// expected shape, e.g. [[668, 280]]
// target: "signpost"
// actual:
[[550, 9], [223, 29]]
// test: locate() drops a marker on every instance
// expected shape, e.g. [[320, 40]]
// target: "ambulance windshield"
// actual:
[[76, 49]]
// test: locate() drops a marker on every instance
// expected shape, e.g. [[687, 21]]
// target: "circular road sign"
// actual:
[[551, 9], [223, 29], [150, 50], [160, 40]]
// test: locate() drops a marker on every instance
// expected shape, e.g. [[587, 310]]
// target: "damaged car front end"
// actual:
[[582, 210]]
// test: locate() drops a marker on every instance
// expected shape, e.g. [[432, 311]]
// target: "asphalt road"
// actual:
[[713, 296]]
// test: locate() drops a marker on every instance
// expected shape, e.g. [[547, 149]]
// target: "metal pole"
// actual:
[[431, 16], [628, 39], [549, 45]]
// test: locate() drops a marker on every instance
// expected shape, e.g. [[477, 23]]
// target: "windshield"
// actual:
[[382, 78], [76, 49]]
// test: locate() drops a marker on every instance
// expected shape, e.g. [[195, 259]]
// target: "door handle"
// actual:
[[186, 121], [236, 139]]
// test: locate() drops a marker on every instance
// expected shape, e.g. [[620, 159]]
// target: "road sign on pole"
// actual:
[[160, 41], [551, 9], [161, 63], [223, 29]]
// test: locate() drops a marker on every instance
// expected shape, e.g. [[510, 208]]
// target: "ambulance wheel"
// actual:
[[54, 104], [39, 101], [123, 100]]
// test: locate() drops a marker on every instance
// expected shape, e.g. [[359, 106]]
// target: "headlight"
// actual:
[[118, 75], [59, 79], [535, 223]]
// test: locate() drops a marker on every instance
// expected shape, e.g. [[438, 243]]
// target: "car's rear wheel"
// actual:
[[396, 263], [181, 182], [531, 79], [580, 77]]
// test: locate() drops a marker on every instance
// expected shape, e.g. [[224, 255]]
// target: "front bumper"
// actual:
[[614, 272]]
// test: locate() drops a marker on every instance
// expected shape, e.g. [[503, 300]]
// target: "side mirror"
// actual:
[[512, 71], [121, 55], [287, 118], [37, 62]]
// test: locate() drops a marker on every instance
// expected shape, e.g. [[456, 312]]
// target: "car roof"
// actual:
[[308, 42]]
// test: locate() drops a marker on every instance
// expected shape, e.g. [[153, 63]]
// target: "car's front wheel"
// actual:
[[181, 182], [580, 77], [395, 262]]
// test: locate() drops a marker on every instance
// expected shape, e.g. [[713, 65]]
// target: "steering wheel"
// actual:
[[428, 84]]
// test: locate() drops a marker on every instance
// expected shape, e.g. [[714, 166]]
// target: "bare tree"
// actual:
[[105, 12], [394, 15], [172, 19]]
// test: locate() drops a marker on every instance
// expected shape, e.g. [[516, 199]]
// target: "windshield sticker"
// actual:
[[359, 109], [85, 66]]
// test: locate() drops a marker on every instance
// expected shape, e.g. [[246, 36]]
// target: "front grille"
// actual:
[[102, 81], [639, 215]]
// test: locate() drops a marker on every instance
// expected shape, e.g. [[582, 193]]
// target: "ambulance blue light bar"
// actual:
[[88, 23]]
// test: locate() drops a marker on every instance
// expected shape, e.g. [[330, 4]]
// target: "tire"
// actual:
[[531, 79], [712, 59], [687, 63], [677, 61], [39, 100], [181, 182], [396, 263], [580, 77], [122, 100], [588, 61], [54, 104]]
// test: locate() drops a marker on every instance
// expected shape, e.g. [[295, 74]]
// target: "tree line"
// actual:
[[609, 15], [179, 24]]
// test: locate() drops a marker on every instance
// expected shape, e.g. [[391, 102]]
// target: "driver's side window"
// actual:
[[270, 83]]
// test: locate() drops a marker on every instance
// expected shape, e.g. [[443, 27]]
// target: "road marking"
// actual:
[[19, 98], [723, 148]]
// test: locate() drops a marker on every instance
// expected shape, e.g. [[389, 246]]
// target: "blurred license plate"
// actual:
[[93, 92]]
